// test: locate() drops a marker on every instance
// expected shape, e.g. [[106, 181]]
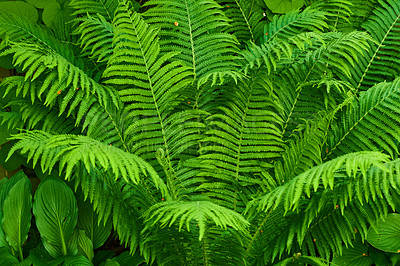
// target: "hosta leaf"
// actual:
[[354, 256], [387, 236], [6, 258], [77, 260], [56, 213], [283, 6], [21, 9], [17, 214], [98, 232], [85, 245]]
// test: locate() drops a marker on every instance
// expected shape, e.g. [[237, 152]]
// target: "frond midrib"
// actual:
[[376, 52], [358, 121]]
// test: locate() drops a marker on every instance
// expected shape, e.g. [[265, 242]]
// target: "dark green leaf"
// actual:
[[56, 213], [17, 214]]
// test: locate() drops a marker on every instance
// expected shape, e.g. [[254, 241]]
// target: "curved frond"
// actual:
[[291, 193], [73, 149], [295, 22], [189, 213], [96, 35]]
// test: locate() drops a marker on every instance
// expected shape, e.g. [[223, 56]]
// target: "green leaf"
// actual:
[[54, 13], [85, 245], [102, 255], [56, 213], [97, 231], [40, 3], [6, 258], [354, 256], [77, 260], [17, 214], [21, 9], [40, 256], [15, 161], [283, 6], [387, 234], [126, 259]]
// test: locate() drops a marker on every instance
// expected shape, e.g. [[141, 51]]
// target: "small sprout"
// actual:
[[176, 23]]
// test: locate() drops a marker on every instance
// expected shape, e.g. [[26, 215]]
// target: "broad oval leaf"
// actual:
[[17, 214], [97, 231], [40, 3], [21, 9], [357, 255], [56, 213], [387, 236], [283, 6]]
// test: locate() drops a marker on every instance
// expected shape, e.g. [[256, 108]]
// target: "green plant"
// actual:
[[200, 142]]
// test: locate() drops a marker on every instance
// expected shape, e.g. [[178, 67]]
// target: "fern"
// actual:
[[381, 62], [194, 28], [76, 149], [375, 112], [245, 16]]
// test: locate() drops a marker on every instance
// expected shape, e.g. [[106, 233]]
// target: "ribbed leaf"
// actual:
[[17, 214], [85, 245], [56, 214], [98, 232]]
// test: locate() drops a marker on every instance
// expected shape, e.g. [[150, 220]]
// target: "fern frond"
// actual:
[[295, 22], [382, 61], [245, 16], [96, 36], [291, 193], [359, 11], [104, 8], [335, 53], [244, 137], [372, 124], [194, 29], [304, 150], [152, 83], [73, 149], [190, 213]]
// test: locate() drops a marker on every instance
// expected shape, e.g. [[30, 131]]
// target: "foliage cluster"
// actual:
[[198, 132]]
